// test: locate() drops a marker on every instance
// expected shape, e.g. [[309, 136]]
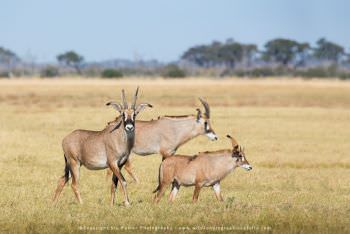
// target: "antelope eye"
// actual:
[[206, 125]]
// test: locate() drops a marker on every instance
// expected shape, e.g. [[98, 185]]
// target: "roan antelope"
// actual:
[[166, 134], [96, 150], [202, 170]]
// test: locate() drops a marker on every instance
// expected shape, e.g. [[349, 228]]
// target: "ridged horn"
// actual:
[[206, 108], [133, 106], [125, 104]]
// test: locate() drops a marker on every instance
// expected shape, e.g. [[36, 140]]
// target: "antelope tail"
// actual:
[[66, 169], [158, 187]]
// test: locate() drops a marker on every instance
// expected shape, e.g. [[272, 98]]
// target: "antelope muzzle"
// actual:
[[129, 125]]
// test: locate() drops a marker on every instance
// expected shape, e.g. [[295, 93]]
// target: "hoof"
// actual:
[[126, 203]]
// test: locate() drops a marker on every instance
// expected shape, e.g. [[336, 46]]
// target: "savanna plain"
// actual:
[[295, 133]]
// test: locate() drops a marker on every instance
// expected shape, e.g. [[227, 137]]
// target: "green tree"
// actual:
[[328, 51], [202, 56], [249, 53], [230, 54], [281, 50], [173, 71], [217, 53], [71, 59], [111, 73], [8, 58], [302, 53], [49, 71]]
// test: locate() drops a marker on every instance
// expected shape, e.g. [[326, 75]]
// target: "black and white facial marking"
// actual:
[[205, 122], [240, 159], [129, 120], [209, 131], [128, 115]]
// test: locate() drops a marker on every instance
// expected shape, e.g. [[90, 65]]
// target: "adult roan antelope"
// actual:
[[166, 134], [202, 170], [96, 150]]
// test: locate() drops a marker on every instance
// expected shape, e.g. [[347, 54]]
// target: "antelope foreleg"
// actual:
[[114, 185], [109, 173], [114, 167]]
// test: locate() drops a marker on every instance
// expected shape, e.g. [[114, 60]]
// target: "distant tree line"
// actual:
[[278, 57], [279, 51]]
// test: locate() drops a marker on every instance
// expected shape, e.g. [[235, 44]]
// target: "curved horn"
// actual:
[[135, 98], [234, 142], [206, 107], [125, 104]]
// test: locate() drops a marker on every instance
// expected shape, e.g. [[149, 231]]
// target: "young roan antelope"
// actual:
[[96, 150], [202, 170], [166, 134]]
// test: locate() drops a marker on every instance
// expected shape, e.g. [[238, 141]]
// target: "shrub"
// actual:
[[323, 72], [344, 75], [49, 71], [262, 72], [111, 73], [4, 75], [256, 72], [173, 71]]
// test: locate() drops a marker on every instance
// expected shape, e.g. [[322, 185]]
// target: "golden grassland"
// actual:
[[296, 134]]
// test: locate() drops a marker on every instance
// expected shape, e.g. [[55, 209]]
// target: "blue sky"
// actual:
[[164, 29]]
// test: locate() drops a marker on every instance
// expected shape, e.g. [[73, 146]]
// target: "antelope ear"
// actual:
[[115, 106], [199, 114], [233, 142], [141, 107]]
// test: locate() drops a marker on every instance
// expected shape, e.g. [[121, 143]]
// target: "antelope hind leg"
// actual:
[[128, 168], [216, 188], [174, 190], [60, 185], [75, 180]]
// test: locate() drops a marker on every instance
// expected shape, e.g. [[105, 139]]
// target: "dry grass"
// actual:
[[231, 92], [295, 134]]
